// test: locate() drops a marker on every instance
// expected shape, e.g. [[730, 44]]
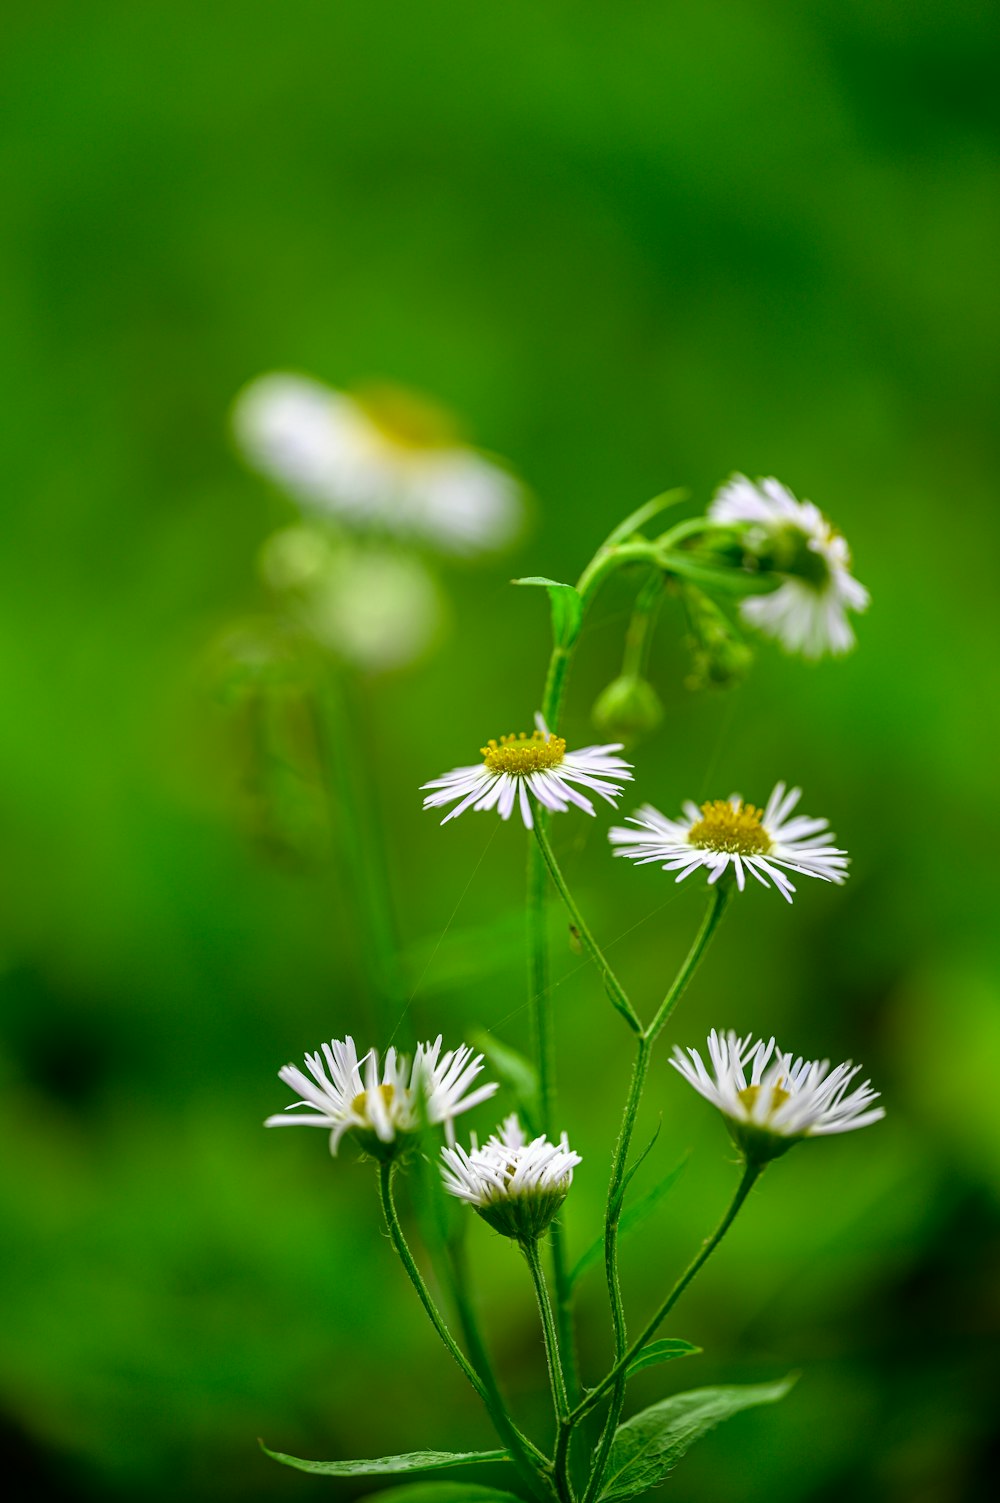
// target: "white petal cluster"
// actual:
[[516, 1184], [327, 449], [772, 1099], [806, 615], [346, 1094], [764, 843], [536, 768]]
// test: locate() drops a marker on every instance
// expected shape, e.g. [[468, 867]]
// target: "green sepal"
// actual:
[[380, 1466], [567, 608], [648, 1445], [661, 1351]]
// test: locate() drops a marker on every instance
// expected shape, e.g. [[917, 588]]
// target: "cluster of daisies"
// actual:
[[769, 1098], [518, 1183]]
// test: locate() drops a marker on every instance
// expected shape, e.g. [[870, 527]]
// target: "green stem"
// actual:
[[612, 985], [717, 903], [557, 1379], [713, 914], [639, 636], [619, 548], [527, 1458], [751, 1173]]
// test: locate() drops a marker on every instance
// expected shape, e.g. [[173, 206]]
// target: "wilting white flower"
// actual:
[[539, 764], [808, 612], [515, 1185], [771, 1100], [374, 607], [349, 1095], [384, 459], [730, 833]]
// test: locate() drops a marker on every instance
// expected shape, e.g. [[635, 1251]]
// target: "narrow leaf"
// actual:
[[661, 1351], [409, 1461], [649, 1444], [567, 607], [516, 1072], [634, 1216], [644, 1155]]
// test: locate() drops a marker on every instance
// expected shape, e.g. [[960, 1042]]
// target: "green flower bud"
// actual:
[[628, 709]]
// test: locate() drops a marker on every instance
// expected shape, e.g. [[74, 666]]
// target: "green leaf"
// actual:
[[379, 1466], [634, 1216], [649, 1444], [444, 1492], [514, 1071], [567, 607], [661, 1351]]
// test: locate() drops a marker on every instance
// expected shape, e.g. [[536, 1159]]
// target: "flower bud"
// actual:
[[628, 709]]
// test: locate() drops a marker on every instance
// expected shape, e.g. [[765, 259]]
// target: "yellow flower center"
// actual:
[[750, 1093], [522, 754], [360, 1102], [407, 420], [725, 828]]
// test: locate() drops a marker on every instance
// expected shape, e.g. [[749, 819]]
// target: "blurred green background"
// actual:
[[635, 246]]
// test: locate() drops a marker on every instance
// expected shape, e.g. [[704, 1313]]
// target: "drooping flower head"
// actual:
[[731, 834], [383, 458], [517, 1186], [538, 765], [772, 1101], [346, 1094], [808, 611]]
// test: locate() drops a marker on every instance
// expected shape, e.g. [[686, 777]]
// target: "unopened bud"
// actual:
[[628, 709]]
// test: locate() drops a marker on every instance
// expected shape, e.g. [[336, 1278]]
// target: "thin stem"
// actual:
[[717, 904], [612, 985], [639, 635], [613, 1219], [557, 1377], [751, 1173], [525, 1455], [709, 924]]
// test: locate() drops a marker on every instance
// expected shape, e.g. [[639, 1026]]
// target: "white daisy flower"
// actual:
[[349, 1095], [539, 765], [771, 1100], [730, 833], [808, 612], [383, 458], [515, 1185]]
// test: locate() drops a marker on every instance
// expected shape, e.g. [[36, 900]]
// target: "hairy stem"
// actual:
[[533, 1466], [612, 985], [751, 1173]]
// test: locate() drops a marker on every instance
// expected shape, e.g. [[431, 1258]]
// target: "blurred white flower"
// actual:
[[383, 459], [731, 833], [349, 1095], [374, 607], [539, 764], [515, 1185], [808, 612], [772, 1101]]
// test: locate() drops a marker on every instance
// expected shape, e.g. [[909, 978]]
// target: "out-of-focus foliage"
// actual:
[[635, 246]]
